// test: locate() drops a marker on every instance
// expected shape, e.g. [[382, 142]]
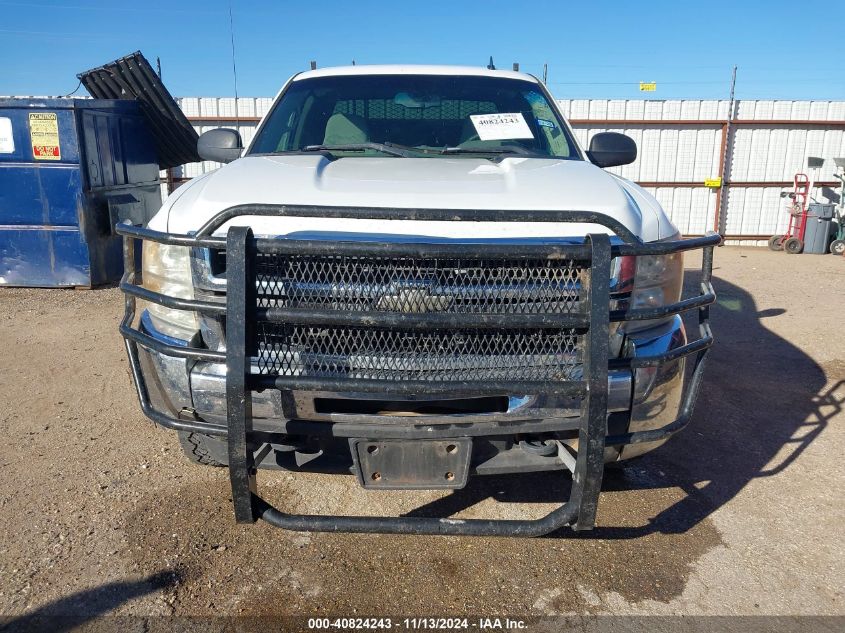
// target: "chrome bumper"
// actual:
[[652, 396]]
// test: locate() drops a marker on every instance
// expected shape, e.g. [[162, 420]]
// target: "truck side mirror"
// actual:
[[608, 149], [221, 145]]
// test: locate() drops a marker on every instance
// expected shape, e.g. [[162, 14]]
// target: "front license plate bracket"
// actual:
[[411, 465]]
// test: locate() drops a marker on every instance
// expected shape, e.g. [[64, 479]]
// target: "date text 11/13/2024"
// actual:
[[417, 624]]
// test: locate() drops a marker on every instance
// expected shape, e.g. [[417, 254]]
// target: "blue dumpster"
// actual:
[[69, 170]]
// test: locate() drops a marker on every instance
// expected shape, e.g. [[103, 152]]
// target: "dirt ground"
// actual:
[[742, 513]]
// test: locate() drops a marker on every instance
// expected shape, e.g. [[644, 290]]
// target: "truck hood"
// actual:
[[438, 183]]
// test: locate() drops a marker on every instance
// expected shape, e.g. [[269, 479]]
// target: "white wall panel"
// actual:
[[635, 110], [795, 153], [616, 109], [775, 167], [680, 209], [226, 107], [782, 110], [246, 108], [836, 111], [208, 107], [685, 155], [800, 110], [706, 155], [741, 152], [189, 105], [818, 109], [702, 212], [598, 109], [262, 105]]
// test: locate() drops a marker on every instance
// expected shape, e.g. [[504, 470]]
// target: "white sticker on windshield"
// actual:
[[502, 126]]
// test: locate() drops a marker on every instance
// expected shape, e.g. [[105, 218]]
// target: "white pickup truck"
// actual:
[[414, 274]]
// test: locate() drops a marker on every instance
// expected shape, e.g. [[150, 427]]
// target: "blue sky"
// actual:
[[594, 49]]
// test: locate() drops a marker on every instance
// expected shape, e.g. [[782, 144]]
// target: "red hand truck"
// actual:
[[792, 241]]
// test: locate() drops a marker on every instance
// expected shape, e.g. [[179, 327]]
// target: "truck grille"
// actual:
[[411, 285], [363, 284]]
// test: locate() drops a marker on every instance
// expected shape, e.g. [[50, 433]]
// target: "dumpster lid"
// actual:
[[132, 77]]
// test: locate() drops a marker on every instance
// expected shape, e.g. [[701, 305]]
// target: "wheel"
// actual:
[[203, 449], [793, 246], [776, 242], [837, 247]]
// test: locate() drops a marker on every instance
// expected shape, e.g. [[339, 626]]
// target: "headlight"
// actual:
[[654, 281], [167, 269], [658, 281]]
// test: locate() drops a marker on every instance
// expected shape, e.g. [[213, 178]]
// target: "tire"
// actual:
[[837, 247], [776, 243], [203, 449], [793, 246]]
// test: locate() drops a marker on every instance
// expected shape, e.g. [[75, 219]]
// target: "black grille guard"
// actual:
[[594, 252]]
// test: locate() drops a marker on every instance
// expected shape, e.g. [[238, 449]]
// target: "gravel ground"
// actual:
[[740, 514]]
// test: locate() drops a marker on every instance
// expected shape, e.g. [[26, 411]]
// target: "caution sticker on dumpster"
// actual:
[[44, 134]]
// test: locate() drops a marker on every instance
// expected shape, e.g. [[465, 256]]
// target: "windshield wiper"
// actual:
[[394, 149], [386, 148], [514, 149]]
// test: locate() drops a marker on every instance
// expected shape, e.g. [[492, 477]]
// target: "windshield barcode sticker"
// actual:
[[502, 126]]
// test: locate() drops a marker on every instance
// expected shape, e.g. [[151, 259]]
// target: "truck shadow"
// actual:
[[75, 610], [762, 403]]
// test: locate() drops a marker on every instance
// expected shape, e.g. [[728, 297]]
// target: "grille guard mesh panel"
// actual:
[[415, 285], [438, 355], [411, 285]]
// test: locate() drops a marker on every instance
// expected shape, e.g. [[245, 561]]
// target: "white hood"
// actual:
[[436, 183]]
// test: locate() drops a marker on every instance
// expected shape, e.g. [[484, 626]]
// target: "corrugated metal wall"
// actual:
[[680, 145]]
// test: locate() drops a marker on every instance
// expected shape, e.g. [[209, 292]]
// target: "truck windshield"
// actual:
[[416, 115]]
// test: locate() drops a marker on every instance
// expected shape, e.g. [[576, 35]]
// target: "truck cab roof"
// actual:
[[413, 69]]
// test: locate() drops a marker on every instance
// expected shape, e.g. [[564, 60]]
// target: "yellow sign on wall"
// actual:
[[713, 183], [44, 134], [649, 86]]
